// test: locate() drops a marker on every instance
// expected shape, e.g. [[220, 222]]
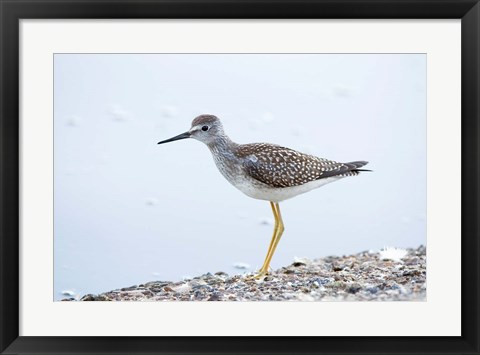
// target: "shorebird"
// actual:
[[266, 171]]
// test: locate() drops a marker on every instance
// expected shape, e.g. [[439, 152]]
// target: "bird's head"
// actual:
[[205, 128]]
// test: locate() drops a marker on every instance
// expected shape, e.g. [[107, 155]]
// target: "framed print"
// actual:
[[163, 172]]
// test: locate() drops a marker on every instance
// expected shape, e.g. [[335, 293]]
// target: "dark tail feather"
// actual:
[[355, 165]]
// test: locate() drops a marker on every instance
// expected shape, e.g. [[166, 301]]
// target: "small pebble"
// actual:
[[68, 293]]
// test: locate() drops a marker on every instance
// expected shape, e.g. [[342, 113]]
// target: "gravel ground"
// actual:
[[365, 276]]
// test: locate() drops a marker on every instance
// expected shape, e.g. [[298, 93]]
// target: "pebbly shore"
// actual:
[[365, 276]]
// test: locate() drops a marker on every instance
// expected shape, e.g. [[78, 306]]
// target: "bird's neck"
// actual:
[[223, 150], [221, 144]]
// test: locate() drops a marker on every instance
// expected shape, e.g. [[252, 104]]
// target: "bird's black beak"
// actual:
[[176, 138]]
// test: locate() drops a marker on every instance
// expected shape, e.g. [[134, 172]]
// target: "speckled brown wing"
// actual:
[[283, 167]]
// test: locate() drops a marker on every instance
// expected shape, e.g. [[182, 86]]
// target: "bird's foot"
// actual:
[[258, 276]]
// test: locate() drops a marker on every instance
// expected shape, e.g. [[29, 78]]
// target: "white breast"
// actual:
[[260, 191]]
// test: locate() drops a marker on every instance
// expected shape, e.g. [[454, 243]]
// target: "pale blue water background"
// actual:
[[129, 211]]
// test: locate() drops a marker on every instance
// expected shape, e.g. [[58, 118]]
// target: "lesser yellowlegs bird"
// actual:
[[266, 171]]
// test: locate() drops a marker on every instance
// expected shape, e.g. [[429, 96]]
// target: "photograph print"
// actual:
[[240, 177]]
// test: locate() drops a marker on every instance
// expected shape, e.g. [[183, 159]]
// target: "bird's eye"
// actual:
[[205, 128]]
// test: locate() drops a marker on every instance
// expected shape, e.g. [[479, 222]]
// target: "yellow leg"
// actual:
[[277, 234], [272, 242], [280, 230]]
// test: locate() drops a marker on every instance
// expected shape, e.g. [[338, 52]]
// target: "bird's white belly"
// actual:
[[262, 191]]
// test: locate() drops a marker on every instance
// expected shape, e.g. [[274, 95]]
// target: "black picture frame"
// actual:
[[11, 11]]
